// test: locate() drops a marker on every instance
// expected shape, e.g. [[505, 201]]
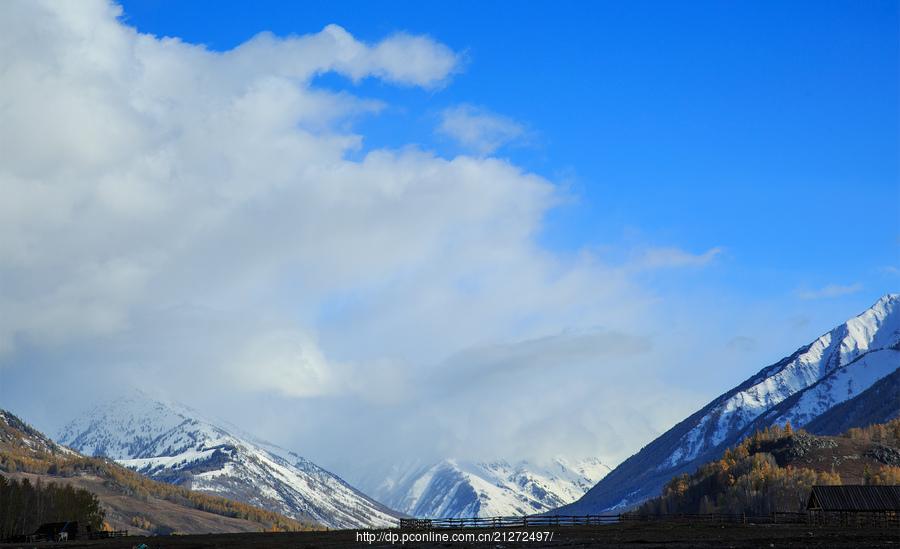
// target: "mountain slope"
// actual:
[[835, 388], [879, 403], [835, 367], [453, 488], [174, 444], [131, 501], [19, 438]]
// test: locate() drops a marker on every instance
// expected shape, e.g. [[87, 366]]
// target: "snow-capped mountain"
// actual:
[[454, 488], [172, 443], [834, 368], [124, 495]]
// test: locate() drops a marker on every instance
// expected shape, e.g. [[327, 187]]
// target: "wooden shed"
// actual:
[[855, 504]]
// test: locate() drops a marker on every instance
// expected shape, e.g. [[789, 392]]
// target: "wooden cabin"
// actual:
[[854, 504]]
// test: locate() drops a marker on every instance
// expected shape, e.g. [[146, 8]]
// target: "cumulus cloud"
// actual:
[[400, 58], [829, 291], [193, 220], [131, 162], [479, 130]]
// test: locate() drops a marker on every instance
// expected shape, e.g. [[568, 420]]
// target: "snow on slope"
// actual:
[[453, 488], [876, 328], [15, 433], [173, 443], [879, 403], [838, 386], [832, 369]]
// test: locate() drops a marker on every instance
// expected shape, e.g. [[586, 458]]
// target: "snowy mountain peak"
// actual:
[[460, 488], [173, 443], [132, 426], [887, 301], [877, 327]]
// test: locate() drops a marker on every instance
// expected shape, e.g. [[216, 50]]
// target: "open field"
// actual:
[[611, 536]]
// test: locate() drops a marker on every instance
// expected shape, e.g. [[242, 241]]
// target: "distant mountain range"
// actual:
[[172, 443], [845, 378], [456, 488], [175, 444]]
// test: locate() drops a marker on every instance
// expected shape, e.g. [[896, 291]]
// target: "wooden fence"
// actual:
[[103, 534], [96, 534], [510, 522], [722, 518], [860, 519]]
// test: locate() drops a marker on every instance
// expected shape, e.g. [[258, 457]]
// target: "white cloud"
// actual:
[[286, 362], [193, 220], [400, 58], [669, 257], [128, 156], [829, 291], [479, 130]]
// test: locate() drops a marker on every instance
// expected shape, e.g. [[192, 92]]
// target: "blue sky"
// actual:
[[630, 206], [768, 128]]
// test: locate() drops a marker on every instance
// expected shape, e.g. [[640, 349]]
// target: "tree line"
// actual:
[[24, 506]]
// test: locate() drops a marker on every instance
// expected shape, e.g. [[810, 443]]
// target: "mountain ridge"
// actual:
[[726, 418]]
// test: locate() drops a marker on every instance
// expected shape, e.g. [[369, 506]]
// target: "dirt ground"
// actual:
[[611, 536]]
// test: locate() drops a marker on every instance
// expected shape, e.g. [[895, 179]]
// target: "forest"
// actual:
[[24, 506], [748, 479]]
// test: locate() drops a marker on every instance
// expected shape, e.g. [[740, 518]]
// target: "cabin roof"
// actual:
[[855, 498]]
